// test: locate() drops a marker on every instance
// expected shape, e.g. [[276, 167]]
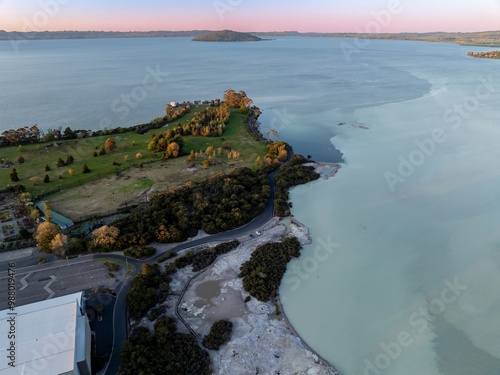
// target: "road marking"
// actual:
[[47, 287], [24, 282]]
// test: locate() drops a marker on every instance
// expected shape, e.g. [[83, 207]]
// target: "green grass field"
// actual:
[[37, 156], [235, 134], [128, 146]]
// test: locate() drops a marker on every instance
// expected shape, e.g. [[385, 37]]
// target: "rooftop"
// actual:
[[46, 335], [56, 218]]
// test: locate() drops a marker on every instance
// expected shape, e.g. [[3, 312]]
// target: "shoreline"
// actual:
[[323, 361], [218, 293], [326, 170], [305, 230], [485, 38]]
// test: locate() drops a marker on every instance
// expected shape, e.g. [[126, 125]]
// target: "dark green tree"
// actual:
[[13, 175], [220, 333], [69, 134], [85, 168]]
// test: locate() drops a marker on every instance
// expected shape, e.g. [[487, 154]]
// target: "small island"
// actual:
[[227, 36], [485, 55]]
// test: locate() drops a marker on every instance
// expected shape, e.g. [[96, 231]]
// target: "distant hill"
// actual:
[[486, 38], [227, 36], [43, 35]]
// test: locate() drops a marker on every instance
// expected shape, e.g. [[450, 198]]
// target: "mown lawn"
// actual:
[[37, 156], [235, 134], [125, 156]]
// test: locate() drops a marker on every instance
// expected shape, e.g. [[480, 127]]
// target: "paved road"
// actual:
[[28, 261], [61, 277], [120, 326], [120, 330]]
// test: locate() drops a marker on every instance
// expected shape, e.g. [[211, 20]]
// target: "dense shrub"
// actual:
[[209, 122], [164, 352], [111, 267], [168, 255], [156, 312], [220, 203], [287, 177], [202, 259], [140, 252], [147, 288], [262, 274], [220, 333]]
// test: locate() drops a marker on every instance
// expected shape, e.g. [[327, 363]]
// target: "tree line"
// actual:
[[165, 351], [263, 272], [149, 287], [204, 258], [208, 122], [33, 134], [218, 204], [290, 175]]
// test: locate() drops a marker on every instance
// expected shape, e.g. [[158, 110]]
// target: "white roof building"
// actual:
[[50, 337]]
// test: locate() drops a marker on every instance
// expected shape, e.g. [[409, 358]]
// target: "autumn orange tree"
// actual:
[[104, 238], [44, 235], [110, 144], [59, 244], [172, 151], [237, 99]]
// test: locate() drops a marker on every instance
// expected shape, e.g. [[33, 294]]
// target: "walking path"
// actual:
[[179, 300]]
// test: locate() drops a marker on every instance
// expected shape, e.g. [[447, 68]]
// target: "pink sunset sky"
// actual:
[[256, 15]]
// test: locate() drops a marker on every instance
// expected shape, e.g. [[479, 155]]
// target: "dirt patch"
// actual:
[[133, 187]]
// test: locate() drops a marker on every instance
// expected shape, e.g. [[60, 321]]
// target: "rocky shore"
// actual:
[[262, 342], [326, 170], [485, 55]]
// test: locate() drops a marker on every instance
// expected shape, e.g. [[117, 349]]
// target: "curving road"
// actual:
[[120, 327]]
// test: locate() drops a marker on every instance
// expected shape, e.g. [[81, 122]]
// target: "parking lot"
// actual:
[[38, 283]]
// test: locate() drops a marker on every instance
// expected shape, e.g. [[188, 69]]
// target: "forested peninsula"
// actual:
[[202, 169]]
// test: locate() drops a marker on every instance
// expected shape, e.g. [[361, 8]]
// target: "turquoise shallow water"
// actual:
[[403, 274]]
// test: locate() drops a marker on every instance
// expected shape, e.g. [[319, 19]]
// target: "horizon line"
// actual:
[[252, 32]]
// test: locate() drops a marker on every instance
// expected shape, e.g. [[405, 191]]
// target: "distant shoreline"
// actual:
[[486, 39], [485, 55]]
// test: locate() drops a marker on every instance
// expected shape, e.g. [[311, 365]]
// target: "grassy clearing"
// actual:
[[37, 156], [104, 190], [143, 183]]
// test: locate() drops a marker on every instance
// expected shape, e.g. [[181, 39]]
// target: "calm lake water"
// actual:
[[403, 276]]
